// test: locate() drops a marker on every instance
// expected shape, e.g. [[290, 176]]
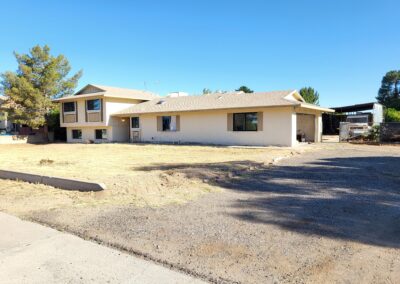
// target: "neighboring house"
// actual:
[[259, 119], [87, 114], [5, 123]]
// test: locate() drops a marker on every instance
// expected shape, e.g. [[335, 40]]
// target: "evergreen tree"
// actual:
[[244, 89], [389, 93], [310, 95], [40, 77]]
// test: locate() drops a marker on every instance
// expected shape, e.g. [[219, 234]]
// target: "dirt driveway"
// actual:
[[329, 215]]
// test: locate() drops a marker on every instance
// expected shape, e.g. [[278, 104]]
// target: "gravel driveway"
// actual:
[[329, 215]]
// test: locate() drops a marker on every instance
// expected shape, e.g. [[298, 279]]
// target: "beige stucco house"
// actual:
[[108, 114], [87, 114], [266, 118]]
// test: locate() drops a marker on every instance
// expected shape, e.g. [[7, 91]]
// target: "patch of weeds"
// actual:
[[46, 162]]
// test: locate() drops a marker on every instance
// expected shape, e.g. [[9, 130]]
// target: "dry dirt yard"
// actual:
[[120, 168], [328, 213]]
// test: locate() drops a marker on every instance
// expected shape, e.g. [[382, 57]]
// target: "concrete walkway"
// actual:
[[31, 253]]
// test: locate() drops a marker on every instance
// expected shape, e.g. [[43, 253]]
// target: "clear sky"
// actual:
[[342, 48]]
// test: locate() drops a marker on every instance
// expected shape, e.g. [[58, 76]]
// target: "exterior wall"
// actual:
[[114, 105], [88, 134], [117, 128], [82, 115], [377, 114], [120, 129], [210, 127]]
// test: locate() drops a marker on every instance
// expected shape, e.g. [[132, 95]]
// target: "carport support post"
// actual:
[[294, 128], [318, 128]]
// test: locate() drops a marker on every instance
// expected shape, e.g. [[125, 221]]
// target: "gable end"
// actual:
[[89, 89]]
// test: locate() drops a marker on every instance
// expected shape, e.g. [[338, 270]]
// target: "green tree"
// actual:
[[40, 77], [206, 91], [389, 92], [392, 115], [310, 95], [244, 89]]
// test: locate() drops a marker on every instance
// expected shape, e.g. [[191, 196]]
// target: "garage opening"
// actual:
[[305, 127]]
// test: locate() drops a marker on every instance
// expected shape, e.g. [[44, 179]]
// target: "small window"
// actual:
[[69, 107], [76, 134], [101, 134], [166, 123], [245, 121], [93, 105], [135, 122]]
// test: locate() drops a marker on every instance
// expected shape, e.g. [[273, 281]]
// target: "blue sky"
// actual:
[[341, 48]]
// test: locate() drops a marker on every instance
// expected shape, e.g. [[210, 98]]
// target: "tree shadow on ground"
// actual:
[[355, 199]]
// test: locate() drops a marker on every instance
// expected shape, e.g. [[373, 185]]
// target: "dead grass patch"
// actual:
[[120, 167]]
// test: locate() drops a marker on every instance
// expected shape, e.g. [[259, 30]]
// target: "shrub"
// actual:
[[373, 134], [392, 115]]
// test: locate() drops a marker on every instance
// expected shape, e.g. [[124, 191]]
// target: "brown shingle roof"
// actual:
[[126, 93], [213, 102]]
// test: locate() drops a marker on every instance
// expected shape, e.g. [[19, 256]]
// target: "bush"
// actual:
[[392, 115], [374, 132]]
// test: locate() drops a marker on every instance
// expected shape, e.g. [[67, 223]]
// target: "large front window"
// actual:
[[93, 105], [69, 107], [245, 121]]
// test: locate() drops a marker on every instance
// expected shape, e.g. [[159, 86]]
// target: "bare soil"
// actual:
[[327, 215], [121, 168]]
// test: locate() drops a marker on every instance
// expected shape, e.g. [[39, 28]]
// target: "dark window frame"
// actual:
[[69, 103], [88, 102], [102, 132], [135, 124], [246, 119], [79, 137]]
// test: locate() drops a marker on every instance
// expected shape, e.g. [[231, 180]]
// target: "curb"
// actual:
[[62, 183]]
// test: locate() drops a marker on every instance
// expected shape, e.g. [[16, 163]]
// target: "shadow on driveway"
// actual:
[[356, 199]]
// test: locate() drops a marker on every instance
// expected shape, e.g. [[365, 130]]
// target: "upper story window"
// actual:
[[93, 105], [69, 107], [135, 122], [245, 121]]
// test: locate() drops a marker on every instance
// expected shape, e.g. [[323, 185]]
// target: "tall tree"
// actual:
[[206, 91], [389, 92], [39, 78], [310, 95], [244, 89]]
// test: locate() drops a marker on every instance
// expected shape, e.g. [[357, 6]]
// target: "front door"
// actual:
[[135, 136]]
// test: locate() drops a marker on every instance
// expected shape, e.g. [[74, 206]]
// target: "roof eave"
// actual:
[[315, 107], [124, 114], [73, 97]]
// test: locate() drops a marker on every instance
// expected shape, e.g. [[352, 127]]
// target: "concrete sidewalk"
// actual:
[[32, 253]]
